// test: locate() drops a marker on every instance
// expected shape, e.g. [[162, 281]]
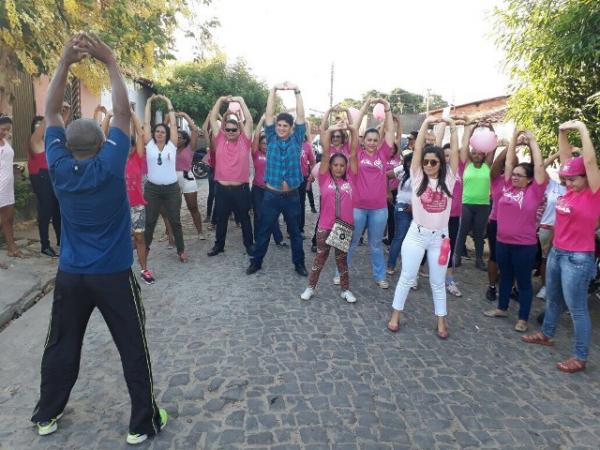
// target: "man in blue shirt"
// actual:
[[283, 176], [88, 175]]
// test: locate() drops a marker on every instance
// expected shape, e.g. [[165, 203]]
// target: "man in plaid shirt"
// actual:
[[283, 176]]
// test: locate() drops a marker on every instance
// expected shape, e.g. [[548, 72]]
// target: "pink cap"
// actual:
[[572, 167]]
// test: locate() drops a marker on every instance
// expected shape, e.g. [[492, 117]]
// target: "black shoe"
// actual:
[[215, 251], [252, 268], [281, 244], [50, 252], [491, 293], [313, 210], [250, 250], [361, 241], [313, 248], [301, 270]]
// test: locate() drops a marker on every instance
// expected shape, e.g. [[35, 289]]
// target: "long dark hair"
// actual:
[[439, 153], [406, 165], [334, 156]]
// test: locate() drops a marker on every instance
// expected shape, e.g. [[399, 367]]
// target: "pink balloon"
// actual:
[[484, 140], [234, 106], [379, 111], [353, 114], [315, 171]]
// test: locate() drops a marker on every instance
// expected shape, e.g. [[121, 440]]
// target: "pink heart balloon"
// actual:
[[234, 106], [353, 114], [379, 111], [484, 141]]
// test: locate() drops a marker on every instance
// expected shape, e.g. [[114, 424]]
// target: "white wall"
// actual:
[[137, 93]]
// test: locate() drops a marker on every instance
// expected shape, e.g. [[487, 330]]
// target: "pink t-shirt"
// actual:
[[327, 189], [577, 216], [392, 163], [496, 186], [134, 170], [371, 181], [232, 158], [344, 148], [259, 159], [307, 158], [432, 209], [517, 213], [183, 162], [456, 208]]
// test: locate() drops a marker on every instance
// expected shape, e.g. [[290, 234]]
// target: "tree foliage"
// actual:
[[401, 101], [195, 87], [32, 33], [553, 56]]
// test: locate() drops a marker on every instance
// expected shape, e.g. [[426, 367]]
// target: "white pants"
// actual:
[[417, 241]]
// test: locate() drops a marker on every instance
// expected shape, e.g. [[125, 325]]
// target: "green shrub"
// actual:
[[23, 193]]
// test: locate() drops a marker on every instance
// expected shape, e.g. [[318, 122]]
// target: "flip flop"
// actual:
[[393, 328]]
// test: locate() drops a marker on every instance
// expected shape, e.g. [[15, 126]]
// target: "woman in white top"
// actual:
[[7, 187], [162, 189], [432, 184]]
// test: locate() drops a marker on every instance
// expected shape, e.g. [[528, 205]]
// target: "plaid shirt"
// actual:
[[283, 157]]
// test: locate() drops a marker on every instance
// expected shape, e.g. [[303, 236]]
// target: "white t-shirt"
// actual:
[[404, 194], [432, 209], [553, 191], [165, 172]]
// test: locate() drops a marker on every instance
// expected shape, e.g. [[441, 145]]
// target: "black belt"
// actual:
[[232, 186], [275, 191]]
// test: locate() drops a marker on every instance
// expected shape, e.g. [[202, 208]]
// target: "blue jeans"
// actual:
[[515, 262], [402, 220], [257, 199], [568, 275], [274, 204], [375, 220]]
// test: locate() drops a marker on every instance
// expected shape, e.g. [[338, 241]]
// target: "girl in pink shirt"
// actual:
[[432, 183], [516, 245], [571, 264], [336, 176]]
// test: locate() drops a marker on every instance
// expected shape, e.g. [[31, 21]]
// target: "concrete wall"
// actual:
[[138, 94]]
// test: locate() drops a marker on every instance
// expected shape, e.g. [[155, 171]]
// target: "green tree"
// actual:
[[401, 101], [195, 86], [553, 57]]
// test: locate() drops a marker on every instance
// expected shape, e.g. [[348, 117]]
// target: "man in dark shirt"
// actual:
[[283, 176], [88, 175]]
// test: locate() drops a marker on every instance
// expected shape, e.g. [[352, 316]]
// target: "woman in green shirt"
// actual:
[[475, 199]]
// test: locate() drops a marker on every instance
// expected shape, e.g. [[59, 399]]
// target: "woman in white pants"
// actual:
[[432, 183]]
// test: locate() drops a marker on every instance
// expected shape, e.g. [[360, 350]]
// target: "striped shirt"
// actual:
[[283, 157]]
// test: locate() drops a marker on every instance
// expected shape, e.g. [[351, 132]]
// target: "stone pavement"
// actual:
[[242, 362]]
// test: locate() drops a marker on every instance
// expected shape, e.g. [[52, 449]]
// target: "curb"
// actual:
[[27, 300]]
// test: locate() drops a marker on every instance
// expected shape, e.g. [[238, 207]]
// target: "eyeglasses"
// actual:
[[430, 162], [518, 175], [231, 130], [159, 160]]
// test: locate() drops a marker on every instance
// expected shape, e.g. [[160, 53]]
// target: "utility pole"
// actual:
[[331, 87], [427, 100]]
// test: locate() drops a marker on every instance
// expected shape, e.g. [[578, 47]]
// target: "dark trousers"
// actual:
[[210, 200], [515, 262], [168, 197], [117, 296], [273, 205], [234, 199], [311, 199], [473, 217], [453, 226], [47, 207], [391, 224], [302, 193], [258, 194]]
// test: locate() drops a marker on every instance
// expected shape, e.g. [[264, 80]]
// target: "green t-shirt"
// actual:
[[476, 185]]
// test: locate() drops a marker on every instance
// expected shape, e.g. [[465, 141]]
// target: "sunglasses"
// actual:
[[430, 162], [159, 160], [518, 175], [231, 130]]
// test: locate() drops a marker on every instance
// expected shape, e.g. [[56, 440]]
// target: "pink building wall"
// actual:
[[89, 101]]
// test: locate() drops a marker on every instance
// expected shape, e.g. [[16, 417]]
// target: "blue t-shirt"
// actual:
[[283, 157], [95, 234]]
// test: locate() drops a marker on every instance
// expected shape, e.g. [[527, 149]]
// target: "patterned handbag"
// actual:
[[341, 233]]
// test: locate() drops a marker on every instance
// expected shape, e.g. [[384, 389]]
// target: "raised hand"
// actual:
[[97, 48], [75, 49], [575, 125]]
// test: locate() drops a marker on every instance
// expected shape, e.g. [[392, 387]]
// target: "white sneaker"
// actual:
[[348, 296], [307, 294], [336, 281], [201, 237], [541, 293], [383, 284], [453, 289]]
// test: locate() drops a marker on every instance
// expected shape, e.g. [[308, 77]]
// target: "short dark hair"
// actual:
[[35, 121], [413, 134], [446, 145], [286, 117], [5, 119], [371, 130], [185, 136], [167, 131], [527, 167]]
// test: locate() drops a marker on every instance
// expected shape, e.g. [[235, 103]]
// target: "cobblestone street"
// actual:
[[241, 362]]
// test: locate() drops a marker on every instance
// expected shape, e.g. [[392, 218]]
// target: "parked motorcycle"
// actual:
[[200, 169]]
